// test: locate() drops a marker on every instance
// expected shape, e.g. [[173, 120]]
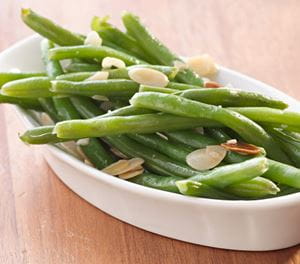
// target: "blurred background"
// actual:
[[258, 37]]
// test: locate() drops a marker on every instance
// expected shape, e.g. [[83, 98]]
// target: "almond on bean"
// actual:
[[148, 77], [203, 65], [110, 62], [241, 147], [93, 39]]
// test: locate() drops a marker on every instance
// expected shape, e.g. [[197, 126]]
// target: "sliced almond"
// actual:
[[118, 153], [110, 62], [131, 174], [231, 141], [241, 147], [148, 77], [45, 119], [100, 98], [93, 39], [99, 76], [206, 158], [72, 148], [119, 167], [87, 162], [134, 163], [211, 84], [83, 141], [203, 65]]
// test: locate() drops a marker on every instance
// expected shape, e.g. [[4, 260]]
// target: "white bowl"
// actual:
[[243, 225]]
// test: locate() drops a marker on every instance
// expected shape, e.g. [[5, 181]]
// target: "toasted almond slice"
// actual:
[[72, 148], [131, 174], [109, 62], [242, 147], [45, 119], [119, 167], [93, 39], [231, 141], [211, 84], [204, 65], [99, 76], [206, 158], [83, 141], [118, 153], [101, 98], [148, 77], [134, 163]]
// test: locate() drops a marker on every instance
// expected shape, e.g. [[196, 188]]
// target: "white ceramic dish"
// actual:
[[243, 225]]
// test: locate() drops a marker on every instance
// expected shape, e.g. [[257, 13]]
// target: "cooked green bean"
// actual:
[[247, 129], [232, 97], [91, 52], [112, 35], [289, 144], [191, 138], [182, 86], [33, 87], [172, 150], [132, 148], [6, 77], [48, 106], [118, 87], [50, 30], [198, 189], [147, 88], [165, 183], [26, 103], [75, 76], [65, 109], [147, 123], [41, 135], [82, 67], [257, 188], [270, 115], [86, 107], [156, 49], [223, 176]]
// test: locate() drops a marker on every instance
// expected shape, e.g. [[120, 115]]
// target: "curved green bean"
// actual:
[[232, 97], [117, 88], [91, 52], [82, 67], [6, 77], [26, 103], [247, 129], [50, 30]]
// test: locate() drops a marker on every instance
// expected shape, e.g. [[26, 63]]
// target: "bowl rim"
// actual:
[[287, 200]]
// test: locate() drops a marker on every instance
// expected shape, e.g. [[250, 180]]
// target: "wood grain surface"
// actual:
[[42, 221]]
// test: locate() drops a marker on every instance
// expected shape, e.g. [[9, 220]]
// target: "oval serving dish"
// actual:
[[242, 225]]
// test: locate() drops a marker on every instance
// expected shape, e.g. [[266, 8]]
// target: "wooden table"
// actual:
[[42, 221]]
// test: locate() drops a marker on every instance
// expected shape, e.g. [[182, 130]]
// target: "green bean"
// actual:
[[247, 129], [26, 103], [33, 87], [270, 115], [232, 97], [289, 144], [128, 111], [227, 175], [82, 67], [156, 49], [91, 52], [6, 77], [85, 107], [278, 172], [147, 123], [255, 189], [65, 109], [53, 68], [112, 35], [198, 189], [182, 86], [285, 190], [283, 173], [175, 151], [165, 183], [147, 88], [48, 106], [50, 30], [191, 138], [75, 76], [119, 88], [132, 148], [40, 135]]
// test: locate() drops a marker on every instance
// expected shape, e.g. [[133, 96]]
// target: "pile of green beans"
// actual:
[[158, 124]]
